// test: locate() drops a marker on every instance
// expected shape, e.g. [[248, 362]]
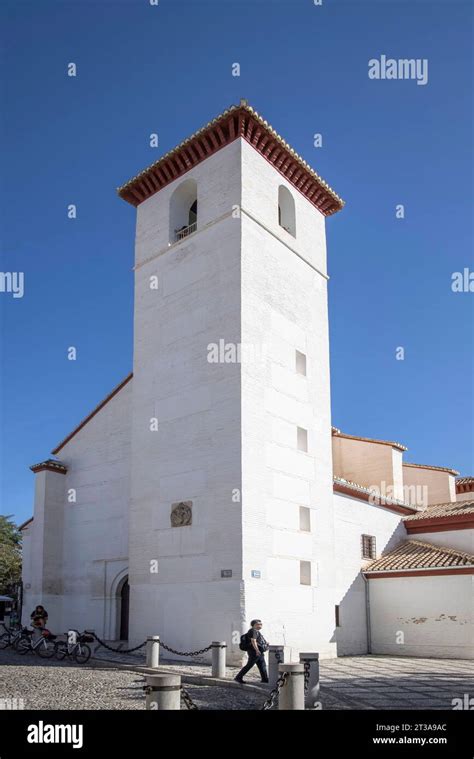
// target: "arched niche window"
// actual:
[[183, 210], [193, 213], [286, 210]]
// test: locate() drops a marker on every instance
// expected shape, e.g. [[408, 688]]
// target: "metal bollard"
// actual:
[[292, 692], [163, 692], [276, 656], [153, 651], [218, 658], [311, 696]]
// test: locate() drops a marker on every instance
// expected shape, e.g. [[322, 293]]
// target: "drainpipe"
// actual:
[[367, 614]]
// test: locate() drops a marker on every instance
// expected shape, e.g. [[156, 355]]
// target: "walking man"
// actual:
[[256, 647]]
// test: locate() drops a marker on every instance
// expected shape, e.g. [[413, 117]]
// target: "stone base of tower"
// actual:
[[187, 616]]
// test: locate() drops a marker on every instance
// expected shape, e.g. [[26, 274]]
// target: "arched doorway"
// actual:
[[123, 593]]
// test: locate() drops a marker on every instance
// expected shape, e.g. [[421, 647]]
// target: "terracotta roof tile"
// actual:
[[237, 121], [428, 466], [464, 485], [51, 465], [337, 433], [453, 508], [415, 554], [370, 491]]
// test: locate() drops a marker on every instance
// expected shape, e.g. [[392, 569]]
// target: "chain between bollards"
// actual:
[[270, 701], [115, 650], [136, 648], [187, 699], [185, 653]]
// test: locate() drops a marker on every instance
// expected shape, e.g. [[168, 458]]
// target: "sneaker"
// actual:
[[265, 681], [238, 680]]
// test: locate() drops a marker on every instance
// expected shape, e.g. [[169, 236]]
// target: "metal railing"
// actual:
[[180, 234]]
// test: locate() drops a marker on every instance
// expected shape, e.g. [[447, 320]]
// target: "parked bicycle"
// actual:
[[75, 647], [44, 646], [11, 637], [6, 635]]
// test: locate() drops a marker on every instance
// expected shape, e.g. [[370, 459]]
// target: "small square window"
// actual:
[[368, 546], [305, 519], [305, 573], [302, 439], [300, 363]]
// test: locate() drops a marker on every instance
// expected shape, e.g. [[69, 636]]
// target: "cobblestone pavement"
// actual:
[[367, 682], [356, 682], [51, 684], [379, 682]]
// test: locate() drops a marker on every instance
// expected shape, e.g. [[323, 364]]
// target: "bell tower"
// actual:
[[231, 506]]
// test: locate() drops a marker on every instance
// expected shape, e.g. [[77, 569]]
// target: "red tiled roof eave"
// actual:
[[448, 509], [237, 121], [431, 572], [353, 490], [441, 517], [49, 465], [414, 555], [429, 466], [337, 433], [25, 524], [464, 484]]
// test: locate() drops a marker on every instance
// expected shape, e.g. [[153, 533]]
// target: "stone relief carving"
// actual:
[[181, 514]]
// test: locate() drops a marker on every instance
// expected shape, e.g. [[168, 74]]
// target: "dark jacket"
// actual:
[[262, 644], [39, 615]]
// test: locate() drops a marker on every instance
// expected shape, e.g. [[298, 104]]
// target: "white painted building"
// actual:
[[209, 488]]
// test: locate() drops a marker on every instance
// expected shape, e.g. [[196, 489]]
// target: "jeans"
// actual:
[[259, 660]]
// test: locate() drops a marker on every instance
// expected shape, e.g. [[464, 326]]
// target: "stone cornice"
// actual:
[[50, 465]]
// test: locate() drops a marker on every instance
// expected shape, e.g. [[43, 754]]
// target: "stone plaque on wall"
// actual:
[[181, 514]]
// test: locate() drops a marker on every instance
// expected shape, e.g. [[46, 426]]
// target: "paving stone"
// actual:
[[389, 684]]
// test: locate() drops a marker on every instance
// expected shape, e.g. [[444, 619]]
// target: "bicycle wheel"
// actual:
[[19, 639], [45, 649], [82, 653], [5, 640], [23, 645], [60, 650]]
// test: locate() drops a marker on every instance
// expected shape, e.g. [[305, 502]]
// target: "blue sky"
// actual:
[[168, 69]]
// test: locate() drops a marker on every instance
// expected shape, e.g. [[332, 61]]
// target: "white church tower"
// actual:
[[231, 506]]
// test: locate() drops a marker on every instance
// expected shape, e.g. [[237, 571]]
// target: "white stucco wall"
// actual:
[[284, 309], [91, 534], [434, 614], [46, 548], [226, 427], [96, 527], [354, 518], [196, 453]]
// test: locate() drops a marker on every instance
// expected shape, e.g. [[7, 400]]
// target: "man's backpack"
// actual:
[[244, 642]]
